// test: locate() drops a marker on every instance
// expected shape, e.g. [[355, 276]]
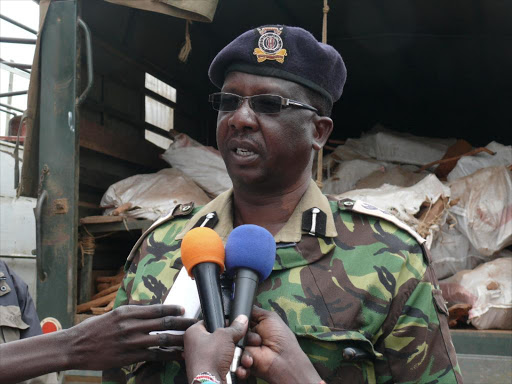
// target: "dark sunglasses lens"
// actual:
[[266, 104], [224, 102]]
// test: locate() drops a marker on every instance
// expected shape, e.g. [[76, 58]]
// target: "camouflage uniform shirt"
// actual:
[[358, 280]]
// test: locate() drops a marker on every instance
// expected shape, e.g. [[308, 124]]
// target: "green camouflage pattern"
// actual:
[[371, 288]]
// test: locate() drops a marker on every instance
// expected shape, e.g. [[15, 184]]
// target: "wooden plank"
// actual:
[[86, 204], [75, 379], [100, 219], [95, 303], [107, 291], [125, 144], [131, 224]]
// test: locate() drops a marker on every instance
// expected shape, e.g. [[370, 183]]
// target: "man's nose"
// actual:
[[244, 117]]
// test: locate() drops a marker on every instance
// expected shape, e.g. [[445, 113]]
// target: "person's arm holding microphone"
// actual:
[[210, 354], [272, 351]]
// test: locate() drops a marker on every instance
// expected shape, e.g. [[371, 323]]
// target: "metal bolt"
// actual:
[[3, 288], [348, 203]]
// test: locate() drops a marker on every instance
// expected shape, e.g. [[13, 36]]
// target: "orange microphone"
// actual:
[[202, 254]]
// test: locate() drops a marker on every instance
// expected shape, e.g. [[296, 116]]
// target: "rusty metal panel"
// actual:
[[58, 165]]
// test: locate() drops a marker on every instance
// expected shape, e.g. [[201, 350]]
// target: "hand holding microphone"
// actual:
[[250, 256], [212, 352]]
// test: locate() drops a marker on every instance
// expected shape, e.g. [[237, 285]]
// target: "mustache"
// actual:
[[244, 138]]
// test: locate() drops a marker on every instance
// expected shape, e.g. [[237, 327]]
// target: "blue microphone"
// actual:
[[250, 257]]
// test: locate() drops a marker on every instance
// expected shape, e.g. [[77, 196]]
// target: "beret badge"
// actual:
[[270, 45]]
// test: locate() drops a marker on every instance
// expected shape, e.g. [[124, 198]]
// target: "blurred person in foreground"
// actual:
[[347, 277]]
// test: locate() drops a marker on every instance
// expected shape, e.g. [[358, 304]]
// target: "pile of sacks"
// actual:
[[462, 206], [198, 174]]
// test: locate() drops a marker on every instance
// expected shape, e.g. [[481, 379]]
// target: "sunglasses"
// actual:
[[229, 102]]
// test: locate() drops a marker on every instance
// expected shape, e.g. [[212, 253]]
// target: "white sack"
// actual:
[[154, 195], [397, 147], [484, 210], [202, 164], [348, 173], [489, 288], [452, 252], [404, 203], [470, 164], [402, 176], [343, 153]]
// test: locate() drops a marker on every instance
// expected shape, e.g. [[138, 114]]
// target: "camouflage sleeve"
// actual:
[[417, 345]]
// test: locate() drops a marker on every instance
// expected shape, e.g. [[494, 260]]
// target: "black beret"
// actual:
[[289, 53]]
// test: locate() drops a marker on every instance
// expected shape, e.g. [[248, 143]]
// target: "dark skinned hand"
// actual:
[[122, 337], [273, 352], [212, 352], [115, 339]]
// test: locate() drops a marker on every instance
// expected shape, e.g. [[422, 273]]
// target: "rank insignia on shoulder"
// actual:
[[270, 45], [371, 210]]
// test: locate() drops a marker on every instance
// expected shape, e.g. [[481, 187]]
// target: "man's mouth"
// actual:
[[243, 152]]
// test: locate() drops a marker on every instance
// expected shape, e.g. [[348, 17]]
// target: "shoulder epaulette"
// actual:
[[368, 209], [178, 211]]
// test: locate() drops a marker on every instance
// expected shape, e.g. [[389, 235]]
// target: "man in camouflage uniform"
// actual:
[[353, 283]]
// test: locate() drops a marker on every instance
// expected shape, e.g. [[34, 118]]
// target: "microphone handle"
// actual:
[[246, 284], [207, 276]]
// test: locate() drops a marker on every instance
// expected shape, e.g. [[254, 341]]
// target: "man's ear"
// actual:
[[322, 131]]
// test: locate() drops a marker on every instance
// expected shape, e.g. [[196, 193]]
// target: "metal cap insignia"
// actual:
[[270, 45]]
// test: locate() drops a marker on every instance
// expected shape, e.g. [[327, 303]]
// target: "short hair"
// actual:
[[319, 101]]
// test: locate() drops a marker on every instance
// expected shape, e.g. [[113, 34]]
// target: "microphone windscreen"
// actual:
[[251, 246], [202, 245]]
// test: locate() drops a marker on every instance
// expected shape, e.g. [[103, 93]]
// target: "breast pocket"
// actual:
[[11, 323], [339, 356]]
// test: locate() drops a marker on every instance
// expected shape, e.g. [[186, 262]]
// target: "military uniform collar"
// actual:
[[312, 212]]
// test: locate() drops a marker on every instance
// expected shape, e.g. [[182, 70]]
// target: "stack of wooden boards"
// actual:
[[103, 301]]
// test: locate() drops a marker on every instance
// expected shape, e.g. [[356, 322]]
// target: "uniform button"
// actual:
[[349, 353], [348, 203]]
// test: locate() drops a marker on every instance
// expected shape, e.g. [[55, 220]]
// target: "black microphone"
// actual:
[[202, 254], [250, 256]]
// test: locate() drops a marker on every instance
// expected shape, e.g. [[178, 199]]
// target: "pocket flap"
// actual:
[[345, 339], [10, 316]]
